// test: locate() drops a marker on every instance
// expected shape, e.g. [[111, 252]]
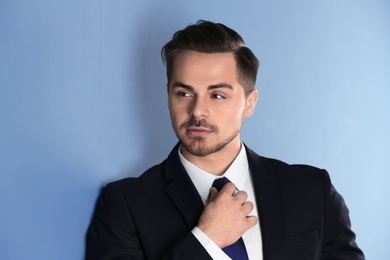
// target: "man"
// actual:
[[267, 209]]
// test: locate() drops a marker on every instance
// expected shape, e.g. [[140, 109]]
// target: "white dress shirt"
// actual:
[[239, 174]]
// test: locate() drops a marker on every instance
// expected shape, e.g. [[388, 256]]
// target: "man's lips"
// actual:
[[198, 131]]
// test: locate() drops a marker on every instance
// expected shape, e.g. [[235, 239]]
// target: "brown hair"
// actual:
[[209, 37]]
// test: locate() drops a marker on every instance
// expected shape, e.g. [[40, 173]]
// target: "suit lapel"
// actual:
[[269, 205], [181, 190]]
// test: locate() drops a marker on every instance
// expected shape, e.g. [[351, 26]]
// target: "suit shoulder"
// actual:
[[151, 176], [281, 169]]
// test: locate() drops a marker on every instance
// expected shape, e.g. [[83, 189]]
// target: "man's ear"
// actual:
[[251, 101]]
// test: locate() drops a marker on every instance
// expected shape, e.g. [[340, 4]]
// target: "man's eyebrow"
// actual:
[[220, 85], [181, 85], [211, 87]]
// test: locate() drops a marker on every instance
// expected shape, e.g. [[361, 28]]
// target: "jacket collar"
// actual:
[[181, 190]]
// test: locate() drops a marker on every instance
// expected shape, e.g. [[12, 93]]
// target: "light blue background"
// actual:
[[83, 102]]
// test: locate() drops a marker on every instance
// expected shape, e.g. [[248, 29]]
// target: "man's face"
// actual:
[[207, 104]]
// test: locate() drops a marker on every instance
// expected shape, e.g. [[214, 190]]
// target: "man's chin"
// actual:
[[196, 148]]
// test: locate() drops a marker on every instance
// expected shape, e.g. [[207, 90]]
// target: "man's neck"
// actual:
[[218, 162]]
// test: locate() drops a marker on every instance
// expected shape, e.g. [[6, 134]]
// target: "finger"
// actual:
[[229, 188], [251, 221], [247, 207], [241, 196], [213, 194]]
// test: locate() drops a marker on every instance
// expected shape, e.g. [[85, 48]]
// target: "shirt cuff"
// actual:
[[214, 251]]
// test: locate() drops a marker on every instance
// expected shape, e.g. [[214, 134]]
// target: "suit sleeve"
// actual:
[[112, 234], [339, 239]]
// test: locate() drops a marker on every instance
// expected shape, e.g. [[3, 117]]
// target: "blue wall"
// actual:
[[83, 102]]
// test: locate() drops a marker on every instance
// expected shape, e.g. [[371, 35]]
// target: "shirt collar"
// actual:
[[237, 173]]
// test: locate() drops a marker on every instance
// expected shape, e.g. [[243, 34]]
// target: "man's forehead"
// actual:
[[189, 61], [209, 70]]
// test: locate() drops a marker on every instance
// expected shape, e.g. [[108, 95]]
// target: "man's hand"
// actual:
[[225, 217]]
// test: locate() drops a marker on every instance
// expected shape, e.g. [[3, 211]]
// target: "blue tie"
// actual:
[[236, 251]]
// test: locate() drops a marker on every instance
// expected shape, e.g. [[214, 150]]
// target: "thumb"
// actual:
[[213, 194]]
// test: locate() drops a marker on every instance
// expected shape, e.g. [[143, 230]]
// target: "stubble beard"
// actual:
[[198, 146]]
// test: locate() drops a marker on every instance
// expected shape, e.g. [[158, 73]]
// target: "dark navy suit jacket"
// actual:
[[151, 217]]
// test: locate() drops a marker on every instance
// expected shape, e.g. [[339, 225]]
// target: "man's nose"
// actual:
[[199, 108]]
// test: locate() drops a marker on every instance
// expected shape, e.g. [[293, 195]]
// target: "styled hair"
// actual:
[[209, 37]]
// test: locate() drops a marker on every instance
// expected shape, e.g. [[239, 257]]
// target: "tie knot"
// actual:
[[220, 182]]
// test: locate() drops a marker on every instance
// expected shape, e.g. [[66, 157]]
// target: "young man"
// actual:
[[266, 210]]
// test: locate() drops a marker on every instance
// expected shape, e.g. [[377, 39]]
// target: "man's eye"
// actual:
[[183, 94], [218, 96]]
